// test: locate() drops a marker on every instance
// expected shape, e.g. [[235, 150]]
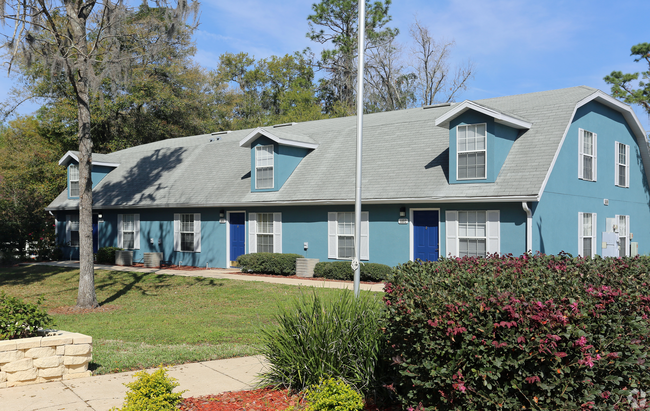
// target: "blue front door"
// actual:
[[237, 235], [425, 235]]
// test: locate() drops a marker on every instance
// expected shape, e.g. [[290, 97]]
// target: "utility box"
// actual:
[[152, 260], [123, 257], [634, 249], [305, 267]]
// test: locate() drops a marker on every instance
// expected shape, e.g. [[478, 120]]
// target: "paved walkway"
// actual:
[[102, 392]]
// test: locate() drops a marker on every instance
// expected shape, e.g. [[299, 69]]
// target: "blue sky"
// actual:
[[517, 46]]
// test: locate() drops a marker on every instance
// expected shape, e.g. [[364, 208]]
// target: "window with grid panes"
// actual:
[[265, 232], [187, 232], [472, 233], [74, 180], [588, 155], [622, 165], [74, 231], [264, 167], [472, 150], [588, 235], [345, 235], [128, 231]]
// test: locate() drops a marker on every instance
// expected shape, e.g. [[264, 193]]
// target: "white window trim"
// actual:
[[70, 180], [617, 164], [581, 154], [594, 230], [258, 149], [197, 233], [411, 235], [68, 231], [332, 236], [136, 231], [252, 232], [626, 234], [493, 232], [458, 152]]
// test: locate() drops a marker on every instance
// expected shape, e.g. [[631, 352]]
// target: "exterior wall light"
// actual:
[[402, 212]]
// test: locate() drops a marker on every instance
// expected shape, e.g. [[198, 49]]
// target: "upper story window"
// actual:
[[472, 150], [74, 180], [264, 167], [622, 171], [587, 149]]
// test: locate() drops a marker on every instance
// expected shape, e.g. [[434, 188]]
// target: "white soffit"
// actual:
[[258, 132], [69, 157], [499, 117]]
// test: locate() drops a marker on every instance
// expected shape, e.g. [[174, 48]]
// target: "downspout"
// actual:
[[529, 226]]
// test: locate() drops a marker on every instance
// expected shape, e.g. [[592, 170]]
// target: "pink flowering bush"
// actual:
[[529, 332]]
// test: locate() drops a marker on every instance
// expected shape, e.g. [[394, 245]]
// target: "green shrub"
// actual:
[[534, 332], [268, 263], [106, 255], [341, 270], [151, 392], [19, 319], [333, 395], [318, 339]]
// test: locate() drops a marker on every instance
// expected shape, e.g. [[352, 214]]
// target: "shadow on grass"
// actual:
[[29, 274]]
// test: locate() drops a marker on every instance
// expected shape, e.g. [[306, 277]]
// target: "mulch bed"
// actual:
[[264, 399]]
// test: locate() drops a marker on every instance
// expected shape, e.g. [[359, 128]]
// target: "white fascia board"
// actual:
[[258, 132], [70, 156], [630, 118], [499, 117]]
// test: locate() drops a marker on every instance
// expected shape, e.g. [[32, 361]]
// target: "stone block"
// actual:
[[3, 376], [51, 372], [19, 383], [81, 339], [26, 343], [75, 376], [56, 340], [3, 385], [20, 365], [10, 356], [75, 369], [76, 360], [48, 362], [48, 379], [25, 375], [40, 352], [78, 349], [8, 345], [60, 350]]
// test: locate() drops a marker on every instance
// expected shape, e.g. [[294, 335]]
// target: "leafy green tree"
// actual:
[[90, 46], [628, 87], [336, 22], [30, 179]]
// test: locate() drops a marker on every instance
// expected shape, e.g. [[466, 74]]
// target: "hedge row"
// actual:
[[269, 263], [342, 270], [534, 332]]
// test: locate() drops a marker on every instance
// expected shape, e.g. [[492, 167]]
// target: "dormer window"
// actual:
[[74, 180], [264, 167], [472, 151]]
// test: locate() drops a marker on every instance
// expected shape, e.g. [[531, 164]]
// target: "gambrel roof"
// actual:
[[405, 159]]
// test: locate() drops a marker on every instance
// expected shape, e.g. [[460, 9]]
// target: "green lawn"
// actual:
[[158, 319]]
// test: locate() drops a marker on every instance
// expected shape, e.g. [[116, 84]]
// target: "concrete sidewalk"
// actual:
[[227, 273], [102, 392]]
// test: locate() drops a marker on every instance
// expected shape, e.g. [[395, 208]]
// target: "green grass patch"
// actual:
[[150, 319]]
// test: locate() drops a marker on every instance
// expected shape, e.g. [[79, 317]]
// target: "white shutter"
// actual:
[[68, 237], [581, 133], [595, 164], [580, 231], [616, 173], [252, 233], [177, 232], [627, 166], [332, 247], [493, 232], [627, 234], [197, 232], [594, 230], [136, 231], [120, 231], [451, 226], [277, 232], [365, 236]]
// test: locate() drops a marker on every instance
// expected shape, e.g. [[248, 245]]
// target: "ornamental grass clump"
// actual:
[[318, 339], [534, 332]]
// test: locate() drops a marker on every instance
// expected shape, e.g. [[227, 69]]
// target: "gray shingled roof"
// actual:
[[405, 157]]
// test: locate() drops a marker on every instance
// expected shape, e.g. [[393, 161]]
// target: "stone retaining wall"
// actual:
[[59, 355]]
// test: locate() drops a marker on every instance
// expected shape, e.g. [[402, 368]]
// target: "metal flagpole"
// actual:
[[357, 201]]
